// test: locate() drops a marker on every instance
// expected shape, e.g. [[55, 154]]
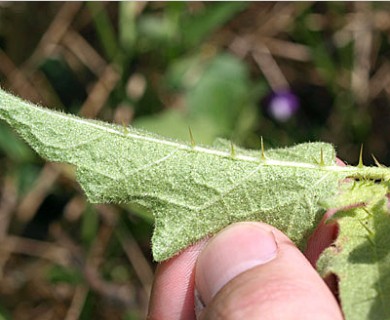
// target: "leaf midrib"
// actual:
[[200, 149]]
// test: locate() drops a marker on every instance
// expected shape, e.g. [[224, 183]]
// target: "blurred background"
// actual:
[[290, 72]]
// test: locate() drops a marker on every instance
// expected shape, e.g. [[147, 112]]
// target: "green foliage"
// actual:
[[104, 28], [215, 105], [360, 257], [13, 147], [194, 191]]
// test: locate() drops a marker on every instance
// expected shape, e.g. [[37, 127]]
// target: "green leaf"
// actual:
[[14, 148], [174, 124], [215, 106], [217, 96], [361, 257], [104, 28], [195, 191], [127, 25], [192, 191]]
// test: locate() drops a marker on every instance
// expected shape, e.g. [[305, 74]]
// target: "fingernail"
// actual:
[[237, 249]]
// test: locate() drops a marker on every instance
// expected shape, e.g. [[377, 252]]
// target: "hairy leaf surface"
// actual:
[[361, 255], [194, 191]]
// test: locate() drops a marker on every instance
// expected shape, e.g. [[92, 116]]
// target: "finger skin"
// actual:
[[172, 296], [286, 287], [322, 237]]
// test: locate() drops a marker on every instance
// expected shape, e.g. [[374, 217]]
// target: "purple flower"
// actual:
[[282, 105]]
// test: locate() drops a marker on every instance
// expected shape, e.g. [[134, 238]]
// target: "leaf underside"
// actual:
[[192, 191], [195, 191], [360, 256]]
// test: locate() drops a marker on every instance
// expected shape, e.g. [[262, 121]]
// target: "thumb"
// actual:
[[251, 270]]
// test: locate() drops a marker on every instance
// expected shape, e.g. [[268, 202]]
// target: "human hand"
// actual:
[[247, 271]]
